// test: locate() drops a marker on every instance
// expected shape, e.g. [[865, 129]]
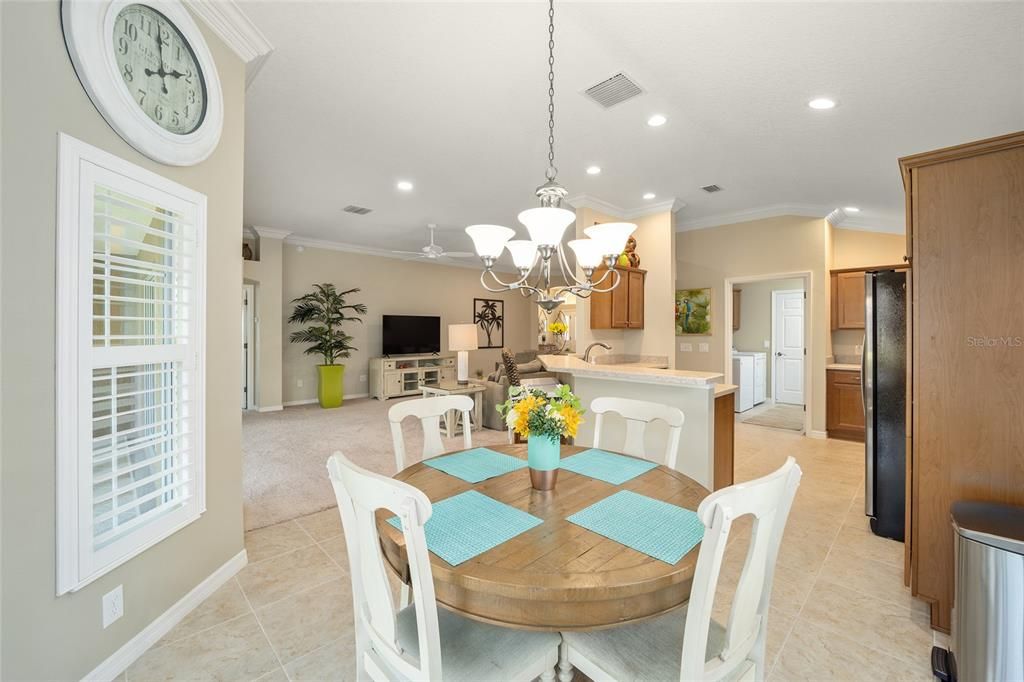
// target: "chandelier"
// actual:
[[546, 225]]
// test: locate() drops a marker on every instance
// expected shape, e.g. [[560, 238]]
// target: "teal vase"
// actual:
[[543, 454]]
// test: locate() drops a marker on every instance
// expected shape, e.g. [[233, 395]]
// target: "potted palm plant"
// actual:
[[325, 306]]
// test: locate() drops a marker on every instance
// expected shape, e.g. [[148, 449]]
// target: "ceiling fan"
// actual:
[[434, 251]]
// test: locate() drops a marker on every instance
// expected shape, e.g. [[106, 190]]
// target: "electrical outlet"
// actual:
[[767, 343], [298, 382], [113, 605], [686, 347], [362, 378], [703, 348]]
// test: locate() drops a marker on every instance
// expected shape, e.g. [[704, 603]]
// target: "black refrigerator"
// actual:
[[884, 392]]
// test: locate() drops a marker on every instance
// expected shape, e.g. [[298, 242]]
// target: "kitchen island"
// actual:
[[706, 449]]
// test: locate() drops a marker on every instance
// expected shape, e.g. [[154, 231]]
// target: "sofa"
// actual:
[[496, 386]]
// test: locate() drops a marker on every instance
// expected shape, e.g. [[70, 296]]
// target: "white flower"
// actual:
[[512, 418]]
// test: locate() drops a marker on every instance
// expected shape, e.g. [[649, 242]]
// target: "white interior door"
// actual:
[[247, 347], [788, 345]]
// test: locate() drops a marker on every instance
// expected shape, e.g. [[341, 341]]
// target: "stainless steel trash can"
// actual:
[[988, 606]]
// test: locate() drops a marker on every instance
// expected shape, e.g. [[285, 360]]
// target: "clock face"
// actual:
[[159, 69]]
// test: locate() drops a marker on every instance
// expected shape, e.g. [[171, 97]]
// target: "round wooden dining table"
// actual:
[[556, 576]]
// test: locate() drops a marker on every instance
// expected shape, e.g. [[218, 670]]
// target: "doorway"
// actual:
[[248, 347]]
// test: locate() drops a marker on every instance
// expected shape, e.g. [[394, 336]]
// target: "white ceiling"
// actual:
[[452, 96]]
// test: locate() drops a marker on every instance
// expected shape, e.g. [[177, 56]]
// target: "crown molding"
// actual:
[[836, 217], [586, 201], [868, 225], [236, 29], [309, 243], [270, 233]]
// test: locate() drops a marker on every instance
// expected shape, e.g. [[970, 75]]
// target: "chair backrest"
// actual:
[[638, 414], [360, 494], [768, 500], [429, 411]]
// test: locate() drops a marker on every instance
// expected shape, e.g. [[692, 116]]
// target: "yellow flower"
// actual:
[[557, 327], [523, 409], [573, 419]]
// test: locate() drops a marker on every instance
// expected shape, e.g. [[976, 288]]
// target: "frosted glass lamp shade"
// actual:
[[611, 236], [462, 337], [588, 252], [489, 240], [523, 252], [546, 225]]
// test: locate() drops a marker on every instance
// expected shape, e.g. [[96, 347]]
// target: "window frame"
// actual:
[[80, 168]]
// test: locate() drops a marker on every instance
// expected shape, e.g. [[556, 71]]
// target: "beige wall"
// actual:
[[781, 245], [394, 287], [860, 248], [756, 319], [45, 636], [265, 275], [656, 238]]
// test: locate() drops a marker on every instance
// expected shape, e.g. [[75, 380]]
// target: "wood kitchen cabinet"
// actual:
[[848, 299], [965, 231], [844, 409], [623, 306]]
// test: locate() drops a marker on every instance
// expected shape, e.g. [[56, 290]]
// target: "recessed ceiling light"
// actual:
[[821, 103], [404, 185], [593, 170], [656, 120], [649, 195], [851, 209]]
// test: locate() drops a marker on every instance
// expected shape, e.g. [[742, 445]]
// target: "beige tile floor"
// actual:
[[839, 608]]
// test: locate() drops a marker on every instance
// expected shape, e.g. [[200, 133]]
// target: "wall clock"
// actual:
[[150, 74]]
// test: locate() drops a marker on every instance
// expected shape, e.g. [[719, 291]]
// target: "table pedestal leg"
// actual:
[[564, 667]]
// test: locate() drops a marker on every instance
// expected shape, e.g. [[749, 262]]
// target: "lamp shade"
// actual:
[[462, 337], [588, 252], [523, 252], [610, 236], [546, 225], [489, 240]]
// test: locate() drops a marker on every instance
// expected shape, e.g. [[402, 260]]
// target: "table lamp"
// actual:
[[462, 338]]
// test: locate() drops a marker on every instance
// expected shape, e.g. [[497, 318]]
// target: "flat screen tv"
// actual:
[[411, 334]]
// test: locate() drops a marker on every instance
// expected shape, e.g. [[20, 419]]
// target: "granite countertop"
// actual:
[[638, 372], [843, 366], [724, 389]]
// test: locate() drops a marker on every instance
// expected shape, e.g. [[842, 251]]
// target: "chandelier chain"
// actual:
[[551, 85]]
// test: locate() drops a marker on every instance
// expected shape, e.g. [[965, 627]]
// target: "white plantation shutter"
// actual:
[[130, 373]]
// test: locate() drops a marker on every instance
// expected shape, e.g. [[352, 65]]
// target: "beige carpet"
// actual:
[[779, 417], [284, 454]]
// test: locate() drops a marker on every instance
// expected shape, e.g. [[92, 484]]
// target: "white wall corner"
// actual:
[[236, 29], [270, 233], [119, 661]]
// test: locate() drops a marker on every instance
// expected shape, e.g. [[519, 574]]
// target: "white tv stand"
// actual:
[[400, 375]]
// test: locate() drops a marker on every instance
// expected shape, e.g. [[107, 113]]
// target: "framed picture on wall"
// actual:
[[693, 312], [489, 318]]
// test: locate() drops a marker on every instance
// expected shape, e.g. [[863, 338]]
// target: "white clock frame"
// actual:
[[88, 33]]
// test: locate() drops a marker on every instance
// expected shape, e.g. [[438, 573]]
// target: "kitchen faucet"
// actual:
[[586, 353]]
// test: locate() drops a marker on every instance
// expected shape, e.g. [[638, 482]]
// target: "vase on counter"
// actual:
[[542, 455]]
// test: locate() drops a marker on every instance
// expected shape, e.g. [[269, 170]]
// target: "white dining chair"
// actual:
[[430, 412], [687, 644], [419, 642], [638, 414]]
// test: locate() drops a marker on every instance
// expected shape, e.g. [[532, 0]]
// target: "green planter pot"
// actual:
[[331, 388], [543, 455]]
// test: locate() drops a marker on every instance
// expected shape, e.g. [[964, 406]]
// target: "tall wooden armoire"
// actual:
[[965, 236]]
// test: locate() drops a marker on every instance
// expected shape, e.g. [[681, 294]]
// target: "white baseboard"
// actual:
[[821, 435], [310, 401], [152, 633], [270, 408]]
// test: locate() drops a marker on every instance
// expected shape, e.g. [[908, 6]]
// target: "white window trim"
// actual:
[[74, 338]]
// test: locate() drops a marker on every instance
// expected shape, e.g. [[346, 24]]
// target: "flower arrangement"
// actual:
[[530, 412], [558, 328]]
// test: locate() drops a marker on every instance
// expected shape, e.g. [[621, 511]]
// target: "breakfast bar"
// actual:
[[706, 451]]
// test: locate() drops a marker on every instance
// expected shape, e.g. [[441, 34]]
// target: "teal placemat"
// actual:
[[658, 529], [469, 524], [606, 466], [476, 465]]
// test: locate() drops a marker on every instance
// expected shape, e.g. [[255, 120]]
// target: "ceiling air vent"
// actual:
[[711, 189], [613, 90], [358, 210]]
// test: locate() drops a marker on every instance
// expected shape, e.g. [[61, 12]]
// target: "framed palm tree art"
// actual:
[[489, 318]]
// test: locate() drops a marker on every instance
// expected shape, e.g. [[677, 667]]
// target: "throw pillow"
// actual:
[[531, 367], [511, 370]]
